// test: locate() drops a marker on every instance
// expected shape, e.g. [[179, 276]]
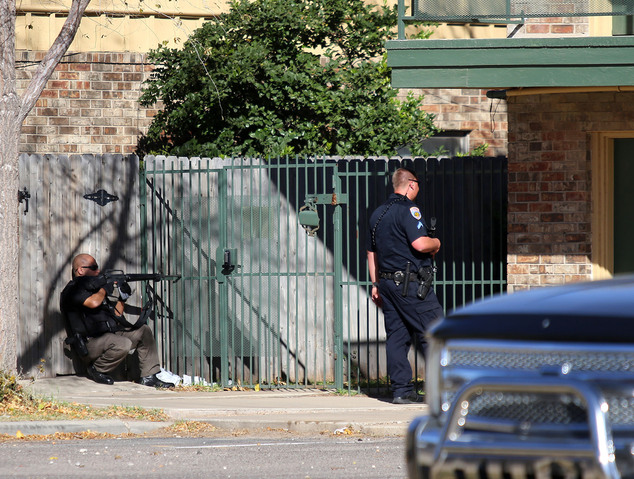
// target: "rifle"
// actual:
[[431, 229], [118, 276], [426, 275], [108, 278]]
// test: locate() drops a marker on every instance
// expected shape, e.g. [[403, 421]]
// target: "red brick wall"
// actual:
[[89, 105], [550, 201], [555, 27], [560, 24], [468, 110]]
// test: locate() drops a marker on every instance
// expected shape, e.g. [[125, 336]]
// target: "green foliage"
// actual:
[[479, 150], [424, 30], [279, 77]]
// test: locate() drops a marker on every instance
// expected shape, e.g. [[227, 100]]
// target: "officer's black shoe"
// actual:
[[411, 398], [98, 377], [153, 381]]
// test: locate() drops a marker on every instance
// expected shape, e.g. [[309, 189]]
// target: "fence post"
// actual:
[[223, 288], [143, 220], [338, 293]]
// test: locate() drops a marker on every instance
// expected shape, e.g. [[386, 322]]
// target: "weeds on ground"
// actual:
[[16, 403]]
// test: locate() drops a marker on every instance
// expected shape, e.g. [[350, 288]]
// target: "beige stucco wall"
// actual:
[[138, 26], [113, 25]]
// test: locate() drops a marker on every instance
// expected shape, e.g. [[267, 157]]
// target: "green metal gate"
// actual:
[[267, 302]]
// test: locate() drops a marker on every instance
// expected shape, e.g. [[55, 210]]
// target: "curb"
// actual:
[[311, 427], [117, 426], [110, 426]]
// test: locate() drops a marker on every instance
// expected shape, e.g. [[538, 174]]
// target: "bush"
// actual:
[[283, 77]]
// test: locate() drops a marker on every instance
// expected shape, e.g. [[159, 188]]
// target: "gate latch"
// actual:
[[308, 216], [24, 195], [226, 262]]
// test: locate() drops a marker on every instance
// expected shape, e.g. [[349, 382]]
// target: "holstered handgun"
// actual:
[[77, 342], [425, 280]]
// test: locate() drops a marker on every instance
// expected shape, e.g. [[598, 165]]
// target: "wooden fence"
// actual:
[[77, 204], [91, 204]]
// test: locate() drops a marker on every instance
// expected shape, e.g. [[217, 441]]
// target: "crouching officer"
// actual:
[[100, 334], [400, 263]]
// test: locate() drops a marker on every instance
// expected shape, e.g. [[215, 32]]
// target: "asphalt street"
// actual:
[[231, 457]]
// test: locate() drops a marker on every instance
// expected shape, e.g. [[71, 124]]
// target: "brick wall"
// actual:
[[471, 111], [553, 27], [559, 25], [89, 104], [550, 203]]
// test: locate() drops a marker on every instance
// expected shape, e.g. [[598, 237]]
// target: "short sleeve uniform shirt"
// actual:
[[395, 225]]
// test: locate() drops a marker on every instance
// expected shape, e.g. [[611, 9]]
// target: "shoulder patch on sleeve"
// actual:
[[415, 212]]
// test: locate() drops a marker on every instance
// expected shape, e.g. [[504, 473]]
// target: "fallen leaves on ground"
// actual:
[[17, 404], [59, 436], [188, 428], [17, 407], [181, 428]]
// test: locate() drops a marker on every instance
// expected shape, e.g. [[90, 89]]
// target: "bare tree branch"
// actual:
[[13, 111], [47, 66]]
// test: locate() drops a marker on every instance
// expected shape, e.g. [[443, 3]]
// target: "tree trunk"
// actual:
[[9, 140], [13, 111], [9, 254]]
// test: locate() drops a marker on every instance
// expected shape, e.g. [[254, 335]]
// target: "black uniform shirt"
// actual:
[[397, 228], [83, 320]]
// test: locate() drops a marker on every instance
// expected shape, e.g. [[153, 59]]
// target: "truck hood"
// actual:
[[596, 311]]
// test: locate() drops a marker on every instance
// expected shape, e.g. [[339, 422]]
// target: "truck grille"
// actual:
[[461, 360], [535, 360], [529, 408]]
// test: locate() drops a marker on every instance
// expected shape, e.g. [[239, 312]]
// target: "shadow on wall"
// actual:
[[61, 223]]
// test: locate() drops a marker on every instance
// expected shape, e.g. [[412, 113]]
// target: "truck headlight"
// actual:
[[433, 368]]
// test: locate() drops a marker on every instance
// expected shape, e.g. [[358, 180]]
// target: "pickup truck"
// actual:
[[534, 384]]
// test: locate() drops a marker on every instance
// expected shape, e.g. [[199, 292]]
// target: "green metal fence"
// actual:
[[264, 301]]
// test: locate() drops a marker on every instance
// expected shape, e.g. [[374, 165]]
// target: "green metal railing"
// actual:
[[264, 301], [504, 11]]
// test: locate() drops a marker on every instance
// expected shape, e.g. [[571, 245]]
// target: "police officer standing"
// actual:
[[400, 263]]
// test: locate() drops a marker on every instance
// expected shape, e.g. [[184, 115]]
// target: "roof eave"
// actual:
[[512, 63]]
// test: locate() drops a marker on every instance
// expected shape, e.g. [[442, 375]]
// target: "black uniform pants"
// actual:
[[405, 317]]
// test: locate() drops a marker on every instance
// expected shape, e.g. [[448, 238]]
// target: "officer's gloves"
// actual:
[[124, 291]]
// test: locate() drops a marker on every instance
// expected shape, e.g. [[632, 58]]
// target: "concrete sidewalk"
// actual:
[[305, 411]]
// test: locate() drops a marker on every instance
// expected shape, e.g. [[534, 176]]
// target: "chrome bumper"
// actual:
[[454, 446]]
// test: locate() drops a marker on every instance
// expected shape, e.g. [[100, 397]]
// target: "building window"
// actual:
[[446, 144]]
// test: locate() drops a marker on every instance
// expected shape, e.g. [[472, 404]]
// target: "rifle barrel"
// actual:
[[151, 277], [115, 275]]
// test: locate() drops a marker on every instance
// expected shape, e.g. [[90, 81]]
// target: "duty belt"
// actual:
[[397, 276], [424, 277]]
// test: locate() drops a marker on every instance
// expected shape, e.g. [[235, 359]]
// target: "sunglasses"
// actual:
[[93, 267], [415, 181]]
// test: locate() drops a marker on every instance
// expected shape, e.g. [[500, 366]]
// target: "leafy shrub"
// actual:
[[283, 77]]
